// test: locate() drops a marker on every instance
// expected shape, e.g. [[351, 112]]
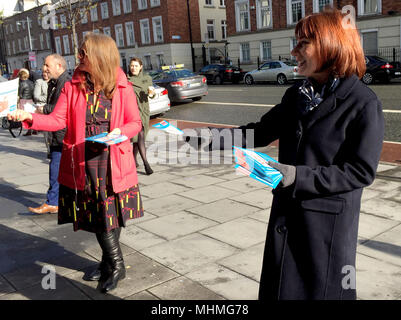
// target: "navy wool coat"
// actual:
[[313, 227]]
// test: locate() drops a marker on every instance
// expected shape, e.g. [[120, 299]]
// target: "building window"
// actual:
[[127, 6], [160, 59], [264, 14], [9, 48], [245, 53], [11, 28], [6, 28], [116, 7], [94, 16], [266, 50], [107, 31], [84, 16], [57, 40], [222, 3], [118, 28], [154, 3], [104, 9], [210, 29], [48, 43], [26, 43], [208, 2], [369, 42], [14, 48], [369, 7], [17, 25], [147, 62], [129, 30], [242, 15], [295, 11], [63, 21], [41, 41], [320, 5], [142, 4], [224, 29], [66, 43], [293, 44], [157, 29], [145, 32]]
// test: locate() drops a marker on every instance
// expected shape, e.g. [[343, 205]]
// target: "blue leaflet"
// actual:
[[102, 138], [254, 164]]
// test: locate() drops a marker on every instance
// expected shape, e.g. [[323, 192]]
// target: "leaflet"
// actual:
[[8, 96], [168, 127], [255, 165], [107, 140]]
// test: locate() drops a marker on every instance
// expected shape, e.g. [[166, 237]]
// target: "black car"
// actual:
[[180, 83], [219, 73], [378, 68]]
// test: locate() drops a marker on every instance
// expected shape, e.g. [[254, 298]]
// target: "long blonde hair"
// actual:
[[104, 60]]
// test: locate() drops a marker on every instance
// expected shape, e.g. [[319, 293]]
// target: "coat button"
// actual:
[[281, 229]]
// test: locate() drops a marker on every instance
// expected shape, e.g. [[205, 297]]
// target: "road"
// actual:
[[239, 104]]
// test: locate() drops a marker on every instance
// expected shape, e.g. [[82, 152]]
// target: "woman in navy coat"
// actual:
[[330, 131]]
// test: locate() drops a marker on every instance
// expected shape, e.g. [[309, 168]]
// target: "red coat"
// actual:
[[70, 112]]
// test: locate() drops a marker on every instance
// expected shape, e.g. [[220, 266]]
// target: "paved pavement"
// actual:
[[201, 238]]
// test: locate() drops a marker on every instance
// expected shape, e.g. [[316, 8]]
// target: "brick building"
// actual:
[[259, 30]]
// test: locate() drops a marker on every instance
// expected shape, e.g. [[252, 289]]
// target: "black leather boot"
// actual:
[[103, 270], [114, 259]]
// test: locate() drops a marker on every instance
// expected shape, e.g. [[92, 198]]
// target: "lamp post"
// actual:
[[29, 35], [190, 38]]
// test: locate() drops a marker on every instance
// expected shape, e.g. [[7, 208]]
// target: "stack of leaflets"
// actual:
[[168, 127], [254, 164], [103, 138]]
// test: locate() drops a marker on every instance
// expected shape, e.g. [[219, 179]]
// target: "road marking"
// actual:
[[226, 90], [264, 105]]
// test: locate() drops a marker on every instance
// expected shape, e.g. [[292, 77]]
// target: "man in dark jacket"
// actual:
[[56, 69]]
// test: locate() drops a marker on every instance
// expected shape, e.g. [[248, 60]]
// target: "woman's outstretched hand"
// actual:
[[115, 132], [19, 115]]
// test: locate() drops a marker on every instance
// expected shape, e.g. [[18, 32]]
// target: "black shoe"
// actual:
[[148, 169], [101, 273]]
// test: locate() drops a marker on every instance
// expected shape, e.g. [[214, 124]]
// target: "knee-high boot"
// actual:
[[103, 270], [114, 259]]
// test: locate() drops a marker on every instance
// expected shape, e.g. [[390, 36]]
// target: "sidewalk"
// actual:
[[202, 235]]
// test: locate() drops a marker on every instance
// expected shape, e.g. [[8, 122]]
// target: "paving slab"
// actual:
[[228, 284], [260, 198], [196, 181], [162, 189], [384, 185], [209, 194], [241, 233], [262, 216], [382, 207], [156, 177], [242, 184], [168, 205], [138, 239], [224, 210], [143, 295], [183, 288], [371, 225]]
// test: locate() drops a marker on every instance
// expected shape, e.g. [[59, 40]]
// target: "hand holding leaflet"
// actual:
[[255, 165], [107, 139]]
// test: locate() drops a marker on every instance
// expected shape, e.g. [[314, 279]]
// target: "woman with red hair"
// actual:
[[330, 130]]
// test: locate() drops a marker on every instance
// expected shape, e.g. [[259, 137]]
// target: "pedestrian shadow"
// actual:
[[384, 247], [39, 155], [23, 257]]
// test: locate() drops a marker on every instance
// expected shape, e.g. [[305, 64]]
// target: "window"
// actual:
[[266, 50], [319, 5], [242, 15], [157, 29], [369, 7], [39, 20], [41, 41], [96, 31], [63, 21], [208, 2], [48, 43], [6, 28], [127, 6], [118, 28], [295, 11], [58, 45], [142, 4], [129, 31], [94, 16], [245, 53], [369, 42], [223, 29], [66, 43], [11, 28], [264, 14], [55, 22], [17, 25], [210, 29], [26, 43], [116, 7], [154, 3], [14, 48], [147, 62], [84, 16], [104, 9], [222, 3], [107, 30], [19, 45], [9, 48], [160, 59], [145, 32]]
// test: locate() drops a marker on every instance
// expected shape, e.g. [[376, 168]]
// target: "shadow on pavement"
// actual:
[[39, 155]]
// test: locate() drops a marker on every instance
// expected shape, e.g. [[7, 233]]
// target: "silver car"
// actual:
[[278, 71], [160, 103]]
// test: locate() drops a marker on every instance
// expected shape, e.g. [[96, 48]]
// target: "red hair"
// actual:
[[338, 48]]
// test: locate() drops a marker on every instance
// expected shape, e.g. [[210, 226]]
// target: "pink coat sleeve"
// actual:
[[54, 121], [132, 120]]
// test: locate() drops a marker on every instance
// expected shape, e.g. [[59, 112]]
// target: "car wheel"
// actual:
[[367, 78], [281, 79], [218, 80], [248, 80], [196, 98]]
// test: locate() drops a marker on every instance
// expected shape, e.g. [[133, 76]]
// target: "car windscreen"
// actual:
[[379, 59], [183, 73]]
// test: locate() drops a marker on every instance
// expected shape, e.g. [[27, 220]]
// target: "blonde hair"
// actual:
[[104, 60], [23, 74]]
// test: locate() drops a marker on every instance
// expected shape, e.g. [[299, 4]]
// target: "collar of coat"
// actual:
[[79, 76]]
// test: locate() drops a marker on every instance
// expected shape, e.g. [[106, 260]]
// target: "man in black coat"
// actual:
[[56, 68]]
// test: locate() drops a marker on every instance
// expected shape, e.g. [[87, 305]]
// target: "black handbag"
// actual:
[[15, 127]]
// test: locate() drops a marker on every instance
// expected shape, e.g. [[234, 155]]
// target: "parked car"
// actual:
[[278, 71], [181, 83], [378, 68], [160, 103], [220, 73]]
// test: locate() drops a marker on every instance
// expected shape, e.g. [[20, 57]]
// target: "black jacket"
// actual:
[[55, 139], [25, 89], [312, 233]]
